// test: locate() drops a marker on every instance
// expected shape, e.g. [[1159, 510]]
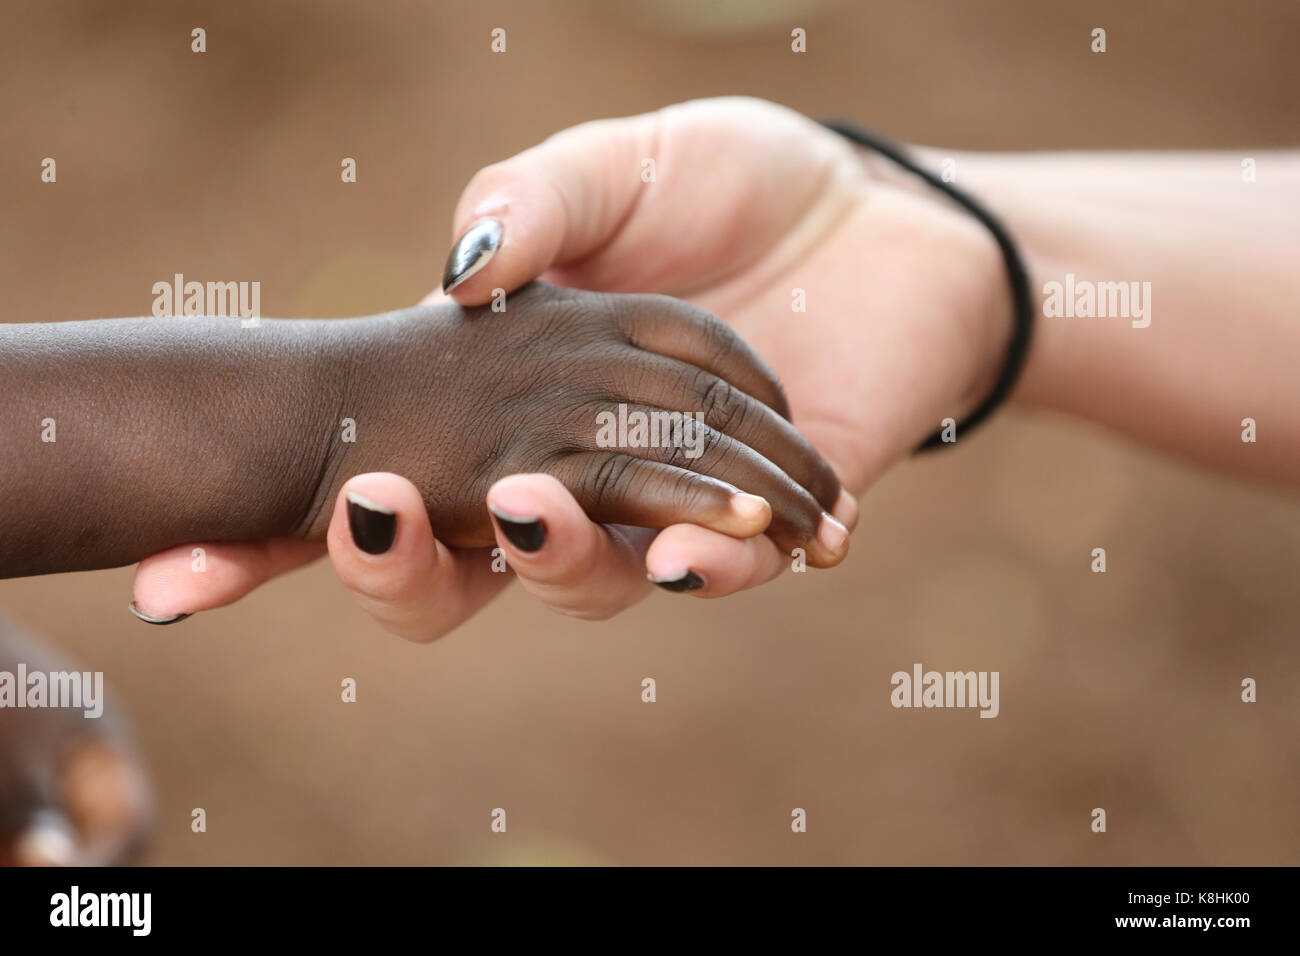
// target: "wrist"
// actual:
[[157, 432], [966, 268], [280, 426], [965, 283], [372, 371]]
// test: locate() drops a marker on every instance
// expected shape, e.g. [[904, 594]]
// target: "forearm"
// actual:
[[123, 437], [1222, 257]]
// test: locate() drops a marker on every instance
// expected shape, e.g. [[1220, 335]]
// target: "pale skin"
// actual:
[[907, 320]]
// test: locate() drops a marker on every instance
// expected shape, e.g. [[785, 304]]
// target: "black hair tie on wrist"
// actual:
[[1024, 312]]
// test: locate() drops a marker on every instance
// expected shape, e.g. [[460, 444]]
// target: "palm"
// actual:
[[753, 203]]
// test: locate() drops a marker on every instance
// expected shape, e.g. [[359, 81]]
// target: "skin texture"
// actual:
[[878, 360], [906, 323], [169, 430]]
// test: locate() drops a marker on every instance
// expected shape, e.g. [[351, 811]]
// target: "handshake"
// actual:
[[602, 438], [235, 434], [648, 411]]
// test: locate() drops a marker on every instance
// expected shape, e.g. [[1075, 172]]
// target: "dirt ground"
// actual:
[[1118, 691]]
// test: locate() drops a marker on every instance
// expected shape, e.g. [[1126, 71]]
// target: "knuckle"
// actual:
[[693, 491], [719, 338], [722, 404], [606, 478], [708, 445]]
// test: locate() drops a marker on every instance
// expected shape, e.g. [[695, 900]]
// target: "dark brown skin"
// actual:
[[194, 429]]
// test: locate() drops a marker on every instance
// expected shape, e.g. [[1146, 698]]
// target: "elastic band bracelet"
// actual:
[[1018, 350]]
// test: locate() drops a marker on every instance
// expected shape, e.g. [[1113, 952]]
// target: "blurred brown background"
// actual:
[[1118, 690]]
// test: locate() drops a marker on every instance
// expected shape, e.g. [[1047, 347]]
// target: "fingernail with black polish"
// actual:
[[373, 526], [150, 619], [686, 581], [526, 534], [472, 252]]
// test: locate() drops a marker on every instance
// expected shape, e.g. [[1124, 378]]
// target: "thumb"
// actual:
[[167, 588], [548, 206]]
